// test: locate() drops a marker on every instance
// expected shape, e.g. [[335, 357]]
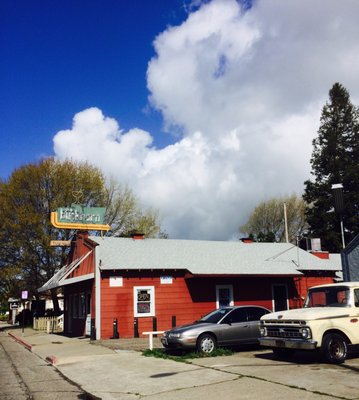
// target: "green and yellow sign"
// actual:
[[80, 217]]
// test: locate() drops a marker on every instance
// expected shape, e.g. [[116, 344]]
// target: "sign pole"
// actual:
[[24, 295]]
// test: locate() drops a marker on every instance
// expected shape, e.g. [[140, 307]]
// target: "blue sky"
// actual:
[[60, 57], [204, 108]]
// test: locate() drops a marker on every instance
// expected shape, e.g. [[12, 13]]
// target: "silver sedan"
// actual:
[[227, 326]]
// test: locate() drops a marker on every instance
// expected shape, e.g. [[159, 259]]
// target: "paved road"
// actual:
[[24, 376]]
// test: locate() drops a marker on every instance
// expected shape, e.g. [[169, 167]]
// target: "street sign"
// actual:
[[80, 217], [60, 243]]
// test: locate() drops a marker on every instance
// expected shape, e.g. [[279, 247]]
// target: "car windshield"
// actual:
[[335, 296], [215, 316]]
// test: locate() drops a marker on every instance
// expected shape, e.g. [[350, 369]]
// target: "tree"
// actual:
[[125, 215], [266, 222], [28, 197], [335, 159], [26, 200]]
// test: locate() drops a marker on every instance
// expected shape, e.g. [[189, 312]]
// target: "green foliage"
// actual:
[[26, 200], [335, 159], [28, 197], [266, 223], [185, 356], [126, 216]]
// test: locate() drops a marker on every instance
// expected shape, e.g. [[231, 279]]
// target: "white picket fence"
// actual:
[[49, 324]]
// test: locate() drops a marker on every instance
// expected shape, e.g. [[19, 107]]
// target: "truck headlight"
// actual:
[[263, 331], [305, 332]]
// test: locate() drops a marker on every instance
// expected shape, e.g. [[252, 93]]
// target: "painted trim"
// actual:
[[152, 312], [78, 279], [230, 287], [74, 225], [97, 294]]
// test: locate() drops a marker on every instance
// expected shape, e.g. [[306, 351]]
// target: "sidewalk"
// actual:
[[114, 370]]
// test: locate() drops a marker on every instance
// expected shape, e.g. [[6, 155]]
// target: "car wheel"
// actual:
[[283, 353], [206, 343], [334, 348]]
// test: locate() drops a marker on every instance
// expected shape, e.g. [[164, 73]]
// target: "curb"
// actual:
[[21, 341], [52, 360]]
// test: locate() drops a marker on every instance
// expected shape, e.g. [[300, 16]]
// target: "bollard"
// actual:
[[135, 328], [115, 330], [154, 325], [174, 322], [93, 330]]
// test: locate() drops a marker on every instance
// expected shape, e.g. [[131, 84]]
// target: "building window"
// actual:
[[224, 296], [144, 301]]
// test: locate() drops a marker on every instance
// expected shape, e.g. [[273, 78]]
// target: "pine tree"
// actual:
[[335, 159]]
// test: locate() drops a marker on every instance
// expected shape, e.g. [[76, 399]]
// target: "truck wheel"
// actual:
[[206, 343], [334, 348]]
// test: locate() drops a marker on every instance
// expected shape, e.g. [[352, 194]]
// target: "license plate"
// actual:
[[279, 343]]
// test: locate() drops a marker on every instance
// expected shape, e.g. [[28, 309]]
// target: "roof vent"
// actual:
[[315, 244]]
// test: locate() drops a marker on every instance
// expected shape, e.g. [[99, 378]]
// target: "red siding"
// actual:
[[312, 279], [321, 254], [186, 299], [117, 302]]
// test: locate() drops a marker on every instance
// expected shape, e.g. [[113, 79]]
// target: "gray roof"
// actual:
[[206, 257]]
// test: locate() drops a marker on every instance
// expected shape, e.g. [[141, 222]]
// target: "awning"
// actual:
[[59, 278]]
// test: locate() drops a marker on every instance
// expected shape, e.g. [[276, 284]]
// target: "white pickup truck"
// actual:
[[329, 322]]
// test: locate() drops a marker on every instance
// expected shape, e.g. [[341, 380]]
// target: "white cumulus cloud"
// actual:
[[245, 89]]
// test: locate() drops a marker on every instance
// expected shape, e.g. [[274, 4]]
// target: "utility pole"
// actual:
[[286, 223], [339, 206]]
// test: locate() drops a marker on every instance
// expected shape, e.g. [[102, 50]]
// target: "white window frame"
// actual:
[[152, 301], [230, 287]]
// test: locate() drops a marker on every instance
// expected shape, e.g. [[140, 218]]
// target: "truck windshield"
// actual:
[[335, 296]]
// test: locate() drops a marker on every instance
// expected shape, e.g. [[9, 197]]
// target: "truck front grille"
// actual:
[[283, 332]]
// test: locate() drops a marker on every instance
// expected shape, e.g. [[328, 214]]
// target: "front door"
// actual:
[[280, 297]]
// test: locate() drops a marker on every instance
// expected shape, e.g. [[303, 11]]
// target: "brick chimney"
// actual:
[[321, 254], [137, 236], [246, 240]]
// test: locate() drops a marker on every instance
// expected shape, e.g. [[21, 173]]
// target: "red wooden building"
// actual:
[[154, 284]]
